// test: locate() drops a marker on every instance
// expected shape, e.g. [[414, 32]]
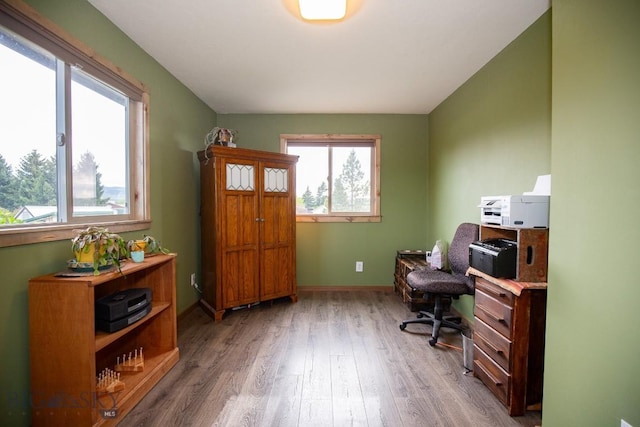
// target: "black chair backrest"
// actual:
[[458, 256]]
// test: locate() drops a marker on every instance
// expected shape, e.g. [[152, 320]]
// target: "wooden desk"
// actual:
[[508, 339], [512, 286]]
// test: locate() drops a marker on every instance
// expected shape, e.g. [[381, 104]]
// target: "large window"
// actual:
[[337, 177], [74, 135]]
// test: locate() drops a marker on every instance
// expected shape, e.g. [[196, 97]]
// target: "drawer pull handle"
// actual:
[[493, 379], [488, 344], [494, 292], [489, 313]]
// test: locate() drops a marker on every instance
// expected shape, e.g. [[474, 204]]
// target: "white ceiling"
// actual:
[[259, 56]]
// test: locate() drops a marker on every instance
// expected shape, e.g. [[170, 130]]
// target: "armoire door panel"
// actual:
[[285, 217], [232, 230], [277, 225], [231, 276], [239, 278], [276, 273], [240, 225], [269, 263]]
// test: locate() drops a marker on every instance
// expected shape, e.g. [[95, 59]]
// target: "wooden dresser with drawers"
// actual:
[[508, 339], [509, 322]]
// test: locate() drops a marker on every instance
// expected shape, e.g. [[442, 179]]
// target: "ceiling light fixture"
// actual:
[[315, 10]]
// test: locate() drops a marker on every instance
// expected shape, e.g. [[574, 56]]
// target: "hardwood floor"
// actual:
[[331, 359]]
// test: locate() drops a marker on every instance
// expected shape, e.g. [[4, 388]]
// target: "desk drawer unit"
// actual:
[[509, 343]]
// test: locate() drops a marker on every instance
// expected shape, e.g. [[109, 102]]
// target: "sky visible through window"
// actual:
[[312, 168], [27, 118]]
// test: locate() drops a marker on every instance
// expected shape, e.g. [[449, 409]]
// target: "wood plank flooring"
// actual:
[[331, 359]]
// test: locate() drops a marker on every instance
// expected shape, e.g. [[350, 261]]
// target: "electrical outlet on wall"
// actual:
[[359, 266]]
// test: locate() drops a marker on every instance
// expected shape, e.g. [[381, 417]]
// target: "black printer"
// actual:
[[495, 257]]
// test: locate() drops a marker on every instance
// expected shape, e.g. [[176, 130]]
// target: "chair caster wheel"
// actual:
[[419, 315], [433, 341], [402, 326]]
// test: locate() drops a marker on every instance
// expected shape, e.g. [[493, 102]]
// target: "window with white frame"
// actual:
[[337, 177], [74, 135]]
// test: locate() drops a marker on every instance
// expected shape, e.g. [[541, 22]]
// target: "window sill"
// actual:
[[26, 235], [338, 218]]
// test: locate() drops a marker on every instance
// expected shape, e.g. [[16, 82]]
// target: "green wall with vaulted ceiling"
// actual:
[[327, 252], [178, 123], [492, 136]]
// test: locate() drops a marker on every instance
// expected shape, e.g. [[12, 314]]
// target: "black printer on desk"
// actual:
[[495, 257]]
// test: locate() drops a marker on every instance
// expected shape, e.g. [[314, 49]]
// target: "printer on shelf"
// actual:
[[495, 257], [518, 211]]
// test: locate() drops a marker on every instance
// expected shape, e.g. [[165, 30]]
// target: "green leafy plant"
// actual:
[[220, 136], [99, 247], [149, 244], [7, 217]]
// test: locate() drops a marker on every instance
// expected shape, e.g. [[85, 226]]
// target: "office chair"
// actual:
[[441, 284]]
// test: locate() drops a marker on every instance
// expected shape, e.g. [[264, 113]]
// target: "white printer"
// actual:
[[519, 211]]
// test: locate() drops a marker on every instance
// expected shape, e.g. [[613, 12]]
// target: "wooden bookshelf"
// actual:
[[67, 353]]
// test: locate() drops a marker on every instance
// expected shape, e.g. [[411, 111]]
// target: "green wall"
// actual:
[[327, 252], [492, 136], [178, 123], [593, 341]]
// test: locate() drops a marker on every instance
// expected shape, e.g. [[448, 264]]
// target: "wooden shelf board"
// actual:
[[137, 384], [127, 267], [103, 339]]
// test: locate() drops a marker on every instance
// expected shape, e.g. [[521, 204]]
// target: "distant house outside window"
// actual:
[[73, 150], [337, 177]]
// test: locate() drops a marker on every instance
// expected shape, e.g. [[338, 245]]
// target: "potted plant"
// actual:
[[136, 245], [97, 247], [221, 136], [148, 244]]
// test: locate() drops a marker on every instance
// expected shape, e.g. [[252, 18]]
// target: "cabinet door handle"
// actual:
[[257, 219], [489, 313], [262, 220], [488, 344]]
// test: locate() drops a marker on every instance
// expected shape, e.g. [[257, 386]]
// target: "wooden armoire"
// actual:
[[248, 226]]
